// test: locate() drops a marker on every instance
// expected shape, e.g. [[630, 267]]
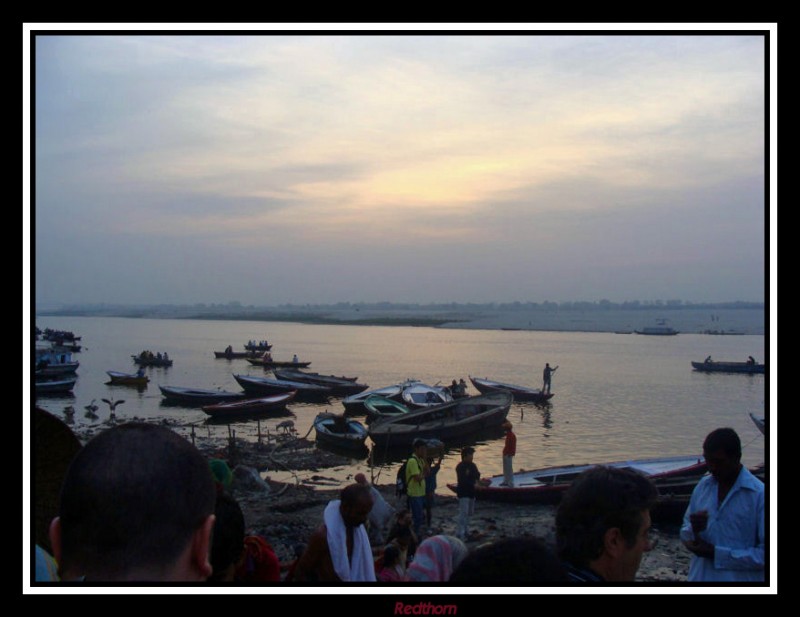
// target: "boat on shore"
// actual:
[[249, 407], [711, 366], [261, 386], [198, 396], [127, 379], [546, 485], [340, 432], [520, 393], [446, 422]]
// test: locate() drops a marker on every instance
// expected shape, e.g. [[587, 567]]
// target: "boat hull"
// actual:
[[352, 437], [728, 367], [197, 397], [521, 394], [125, 379], [250, 407]]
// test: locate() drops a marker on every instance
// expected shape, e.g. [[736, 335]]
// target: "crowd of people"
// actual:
[[140, 503]]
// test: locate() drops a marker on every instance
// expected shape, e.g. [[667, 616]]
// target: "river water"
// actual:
[[617, 396]]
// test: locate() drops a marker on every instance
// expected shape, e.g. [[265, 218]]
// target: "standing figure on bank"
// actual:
[[416, 471], [468, 479], [509, 450], [547, 376], [724, 524]]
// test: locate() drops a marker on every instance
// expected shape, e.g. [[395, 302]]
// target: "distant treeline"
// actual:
[[232, 310]]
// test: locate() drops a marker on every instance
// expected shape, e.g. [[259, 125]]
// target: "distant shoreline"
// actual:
[[711, 321]]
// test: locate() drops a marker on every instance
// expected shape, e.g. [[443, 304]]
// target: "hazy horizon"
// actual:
[[280, 168]]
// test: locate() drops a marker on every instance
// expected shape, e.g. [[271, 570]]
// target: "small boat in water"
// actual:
[[147, 358], [229, 354], [339, 432], [546, 485], [250, 407], [258, 346], [760, 422], [711, 366], [270, 364], [520, 393], [446, 422], [127, 379], [197, 396]]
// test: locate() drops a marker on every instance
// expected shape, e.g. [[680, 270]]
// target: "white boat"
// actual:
[[420, 395], [355, 402]]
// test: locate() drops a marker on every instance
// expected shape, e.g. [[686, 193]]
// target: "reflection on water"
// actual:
[[616, 396]]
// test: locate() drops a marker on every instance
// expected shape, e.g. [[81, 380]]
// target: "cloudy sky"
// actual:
[[329, 168]]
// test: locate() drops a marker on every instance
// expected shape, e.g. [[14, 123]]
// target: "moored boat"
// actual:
[[270, 364], [250, 407], [53, 362], [340, 386], [198, 396], [57, 385], [339, 432], [712, 366], [760, 422], [421, 396], [446, 422], [380, 408], [546, 485], [520, 393], [127, 379], [355, 403], [261, 386]]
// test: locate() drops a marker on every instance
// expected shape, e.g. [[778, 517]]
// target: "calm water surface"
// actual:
[[617, 396]]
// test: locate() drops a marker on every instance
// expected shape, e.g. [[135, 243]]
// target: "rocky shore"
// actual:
[[287, 513]]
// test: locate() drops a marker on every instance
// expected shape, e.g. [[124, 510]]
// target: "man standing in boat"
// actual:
[[547, 376]]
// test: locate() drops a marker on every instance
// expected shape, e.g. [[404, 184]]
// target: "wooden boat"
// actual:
[[339, 432], [340, 386], [232, 355], [197, 396], [674, 495], [520, 393], [47, 386], [250, 407], [711, 366], [421, 396], [270, 364], [257, 347], [127, 379], [355, 403], [380, 408], [54, 362], [149, 360], [546, 485], [446, 422], [760, 422], [261, 386]]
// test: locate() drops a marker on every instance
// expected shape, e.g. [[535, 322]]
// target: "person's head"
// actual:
[[391, 556], [467, 454], [404, 517], [360, 478], [137, 503], [722, 450], [356, 504], [507, 425], [514, 560], [603, 521], [228, 538], [420, 447], [436, 559], [403, 537]]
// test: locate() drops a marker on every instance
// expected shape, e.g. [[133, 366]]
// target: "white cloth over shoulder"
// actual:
[[362, 566]]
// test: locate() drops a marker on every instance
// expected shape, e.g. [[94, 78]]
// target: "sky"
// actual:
[[440, 167]]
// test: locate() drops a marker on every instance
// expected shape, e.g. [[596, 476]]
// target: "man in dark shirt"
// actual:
[[468, 479]]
